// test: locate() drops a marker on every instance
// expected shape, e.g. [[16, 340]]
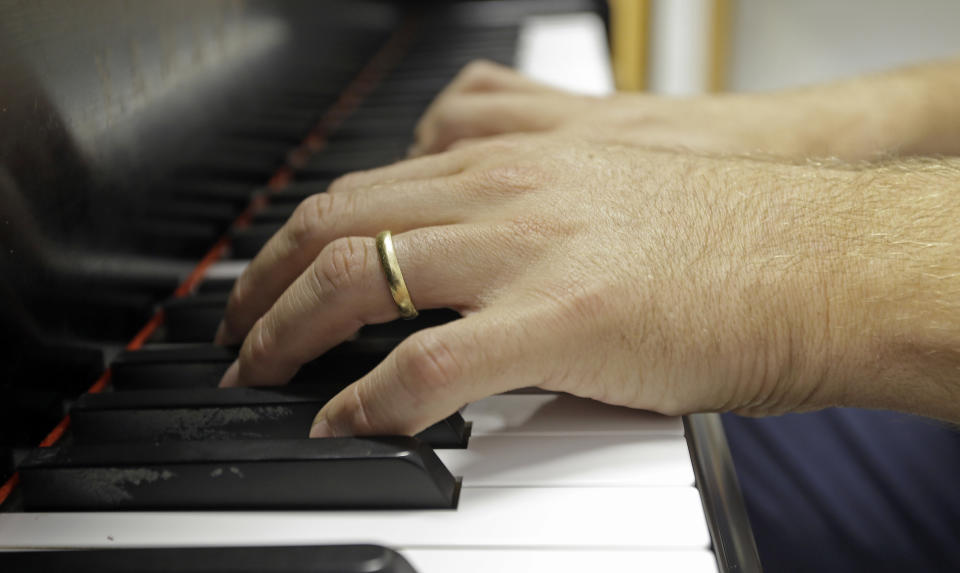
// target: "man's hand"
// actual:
[[905, 112], [488, 99], [669, 282]]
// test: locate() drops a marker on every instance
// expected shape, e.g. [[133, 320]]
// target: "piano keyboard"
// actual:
[[522, 482]]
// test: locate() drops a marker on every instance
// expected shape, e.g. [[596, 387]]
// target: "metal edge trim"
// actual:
[[716, 479]]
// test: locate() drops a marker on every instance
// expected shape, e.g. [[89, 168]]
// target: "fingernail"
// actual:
[[320, 428], [220, 338], [231, 377]]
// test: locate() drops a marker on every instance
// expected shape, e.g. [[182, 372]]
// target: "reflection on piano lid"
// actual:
[[183, 132], [302, 559]]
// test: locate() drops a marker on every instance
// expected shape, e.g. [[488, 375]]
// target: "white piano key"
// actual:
[[611, 518], [571, 461], [562, 414], [226, 269], [558, 561]]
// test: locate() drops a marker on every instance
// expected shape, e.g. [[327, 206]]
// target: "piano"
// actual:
[[149, 150]]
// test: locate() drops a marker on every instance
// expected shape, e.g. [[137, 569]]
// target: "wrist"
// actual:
[[906, 112], [801, 316], [829, 121], [885, 268]]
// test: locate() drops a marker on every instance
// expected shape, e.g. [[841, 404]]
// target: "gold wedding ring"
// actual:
[[391, 268]]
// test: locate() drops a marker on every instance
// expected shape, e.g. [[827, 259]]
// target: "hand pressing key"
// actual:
[[668, 281]]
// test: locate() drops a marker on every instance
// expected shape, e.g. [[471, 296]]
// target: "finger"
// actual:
[[345, 288], [484, 75], [479, 76], [478, 142], [486, 114], [433, 166], [324, 217], [429, 376]]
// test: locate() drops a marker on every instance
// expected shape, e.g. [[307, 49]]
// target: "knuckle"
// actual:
[[421, 131], [342, 263], [233, 316], [427, 365], [238, 297], [343, 183], [315, 216], [305, 221], [582, 301], [362, 410], [360, 415], [348, 412], [539, 229], [511, 177], [447, 121], [477, 72], [509, 146], [256, 348]]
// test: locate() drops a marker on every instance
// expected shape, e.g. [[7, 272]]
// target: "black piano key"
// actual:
[[388, 146], [357, 127], [355, 132], [67, 368], [239, 158], [456, 59], [332, 473], [234, 166], [287, 130], [28, 414], [418, 85], [216, 285], [303, 100], [399, 329], [275, 213], [174, 366], [202, 365], [6, 463], [245, 243], [92, 310], [346, 362], [236, 193], [327, 165], [416, 102], [193, 318], [220, 414], [251, 146], [299, 190], [178, 238], [337, 144], [218, 213], [295, 559]]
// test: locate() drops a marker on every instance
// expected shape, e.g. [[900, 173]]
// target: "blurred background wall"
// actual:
[[780, 43], [684, 47]]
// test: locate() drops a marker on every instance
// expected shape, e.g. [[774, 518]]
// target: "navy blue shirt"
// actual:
[[850, 490]]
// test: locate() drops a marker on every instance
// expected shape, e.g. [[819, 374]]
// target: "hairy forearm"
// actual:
[[911, 275], [872, 255], [910, 111]]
